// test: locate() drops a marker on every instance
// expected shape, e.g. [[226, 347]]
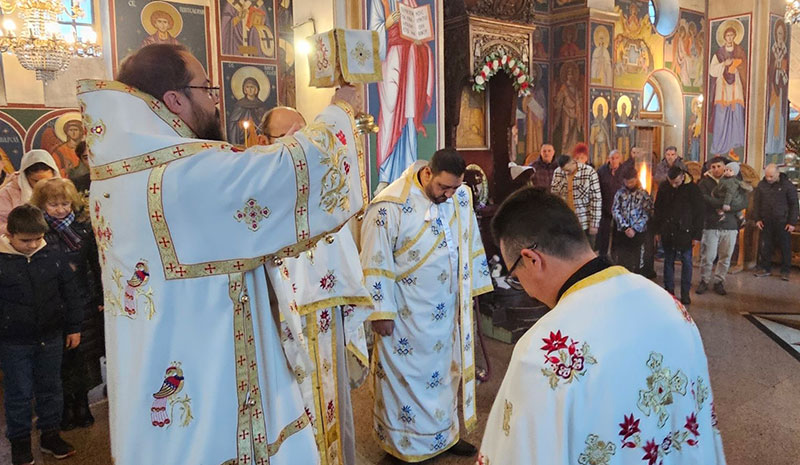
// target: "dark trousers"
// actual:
[[32, 371], [774, 234], [603, 240], [629, 252], [685, 256], [74, 374]]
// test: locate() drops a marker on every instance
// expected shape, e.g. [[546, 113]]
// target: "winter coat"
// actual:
[[712, 204], [16, 189], [679, 214], [39, 297], [611, 183], [776, 202], [543, 173]]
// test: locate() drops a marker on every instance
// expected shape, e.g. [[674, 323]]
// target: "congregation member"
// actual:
[[610, 177], [70, 233], [424, 262], [577, 184], [580, 153], [719, 233], [185, 223], [775, 212], [615, 373], [678, 223], [42, 307], [631, 209], [671, 158], [36, 165], [543, 167], [80, 174]]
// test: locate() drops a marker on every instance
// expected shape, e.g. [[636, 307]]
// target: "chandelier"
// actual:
[[793, 11], [40, 46]]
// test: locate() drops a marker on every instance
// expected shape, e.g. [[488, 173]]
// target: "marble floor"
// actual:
[[755, 379]]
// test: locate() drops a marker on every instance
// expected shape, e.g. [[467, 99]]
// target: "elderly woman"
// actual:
[[35, 166]]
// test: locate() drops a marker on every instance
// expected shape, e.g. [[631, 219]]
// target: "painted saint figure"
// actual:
[[569, 48], [535, 107], [163, 22], [623, 126], [406, 93], [251, 103], [244, 30], [601, 58], [694, 130], [569, 107], [778, 84], [599, 135], [728, 71]]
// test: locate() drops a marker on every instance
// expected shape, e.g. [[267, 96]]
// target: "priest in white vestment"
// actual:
[[424, 262], [615, 373], [196, 370]]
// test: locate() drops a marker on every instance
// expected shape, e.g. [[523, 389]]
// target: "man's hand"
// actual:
[[760, 225], [383, 327], [630, 233], [347, 94], [592, 231], [790, 227], [73, 340], [392, 18]]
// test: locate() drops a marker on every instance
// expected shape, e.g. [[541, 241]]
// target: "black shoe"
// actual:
[[463, 449], [21, 451], [719, 288], [701, 288], [83, 416], [68, 415], [51, 443], [685, 299]]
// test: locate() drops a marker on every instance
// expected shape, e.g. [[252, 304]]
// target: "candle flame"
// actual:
[[644, 177]]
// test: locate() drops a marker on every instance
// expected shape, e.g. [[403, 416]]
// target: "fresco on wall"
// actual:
[[569, 103], [12, 135], [532, 127], [684, 51], [777, 89], [638, 49], [560, 4], [58, 132], [569, 41], [728, 73], [600, 141], [472, 132], [693, 122], [249, 91], [541, 43], [540, 6], [404, 105], [286, 67], [601, 65], [139, 24], [626, 108], [247, 28]]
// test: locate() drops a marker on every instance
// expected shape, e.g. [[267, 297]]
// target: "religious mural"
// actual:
[[472, 132], [569, 41], [638, 48], [569, 103], [139, 24], [12, 135], [541, 43], [58, 132], [684, 52], [777, 89], [728, 74], [249, 91], [247, 28], [561, 4], [600, 141], [693, 122], [405, 105], [541, 6], [532, 127], [286, 66], [626, 108], [601, 64]]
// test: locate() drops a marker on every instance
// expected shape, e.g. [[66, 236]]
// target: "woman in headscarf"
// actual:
[[35, 166]]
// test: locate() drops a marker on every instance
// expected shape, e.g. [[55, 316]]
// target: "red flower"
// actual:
[[524, 85], [691, 424], [563, 371], [555, 342], [630, 426], [346, 168], [340, 135], [577, 363], [650, 452]]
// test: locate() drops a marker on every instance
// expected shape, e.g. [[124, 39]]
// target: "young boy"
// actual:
[[730, 188], [40, 302]]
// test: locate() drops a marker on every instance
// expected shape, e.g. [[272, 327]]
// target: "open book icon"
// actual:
[[415, 23]]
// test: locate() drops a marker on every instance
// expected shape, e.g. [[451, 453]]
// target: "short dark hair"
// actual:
[[447, 159], [717, 159], [38, 167], [674, 171], [80, 149], [533, 216], [563, 159], [26, 219], [671, 147], [629, 172], [156, 69]]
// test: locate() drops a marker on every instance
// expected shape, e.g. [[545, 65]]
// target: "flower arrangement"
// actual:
[[496, 61]]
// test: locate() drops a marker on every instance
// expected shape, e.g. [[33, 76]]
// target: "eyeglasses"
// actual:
[[213, 91], [512, 280]]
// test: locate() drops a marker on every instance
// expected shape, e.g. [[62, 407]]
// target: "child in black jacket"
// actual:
[[39, 303]]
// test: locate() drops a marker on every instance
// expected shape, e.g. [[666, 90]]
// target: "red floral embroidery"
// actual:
[[331, 411], [713, 415], [564, 361], [328, 281], [346, 167], [630, 426], [650, 452], [682, 309], [340, 135], [482, 459], [309, 415], [555, 342], [324, 321], [691, 424]]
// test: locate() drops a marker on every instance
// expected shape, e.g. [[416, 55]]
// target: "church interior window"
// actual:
[[83, 24], [652, 98]]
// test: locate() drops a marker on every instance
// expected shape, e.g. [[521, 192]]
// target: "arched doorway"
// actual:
[[662, 104]]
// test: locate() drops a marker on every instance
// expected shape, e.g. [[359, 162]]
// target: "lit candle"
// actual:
[[246, 125]]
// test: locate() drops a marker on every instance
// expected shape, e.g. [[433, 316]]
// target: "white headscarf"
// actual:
[[29, 159]]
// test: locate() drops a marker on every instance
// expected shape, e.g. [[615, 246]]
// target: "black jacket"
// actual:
[[776, 202], [39, 298], [679, 214], [611, 183], [730, 222]]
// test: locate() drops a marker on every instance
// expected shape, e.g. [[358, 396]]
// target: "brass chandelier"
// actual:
[[793, 11], [40, 46]]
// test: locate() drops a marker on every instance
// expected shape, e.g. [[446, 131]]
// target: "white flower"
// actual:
[[511, 63], [495, 64], [522, 79], [479, 80], [516, 72], [486, 70], [504, 60]]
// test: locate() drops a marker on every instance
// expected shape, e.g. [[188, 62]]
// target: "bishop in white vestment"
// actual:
[[615, 373], [424, 262], [185, 227]]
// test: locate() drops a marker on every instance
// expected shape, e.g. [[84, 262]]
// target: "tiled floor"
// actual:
[[755, 383]]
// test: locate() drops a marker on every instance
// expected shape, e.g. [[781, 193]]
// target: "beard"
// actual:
[[432, 197], [209, 127]]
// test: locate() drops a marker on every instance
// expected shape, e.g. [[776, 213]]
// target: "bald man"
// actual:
[[775, 211], [281, 121]]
